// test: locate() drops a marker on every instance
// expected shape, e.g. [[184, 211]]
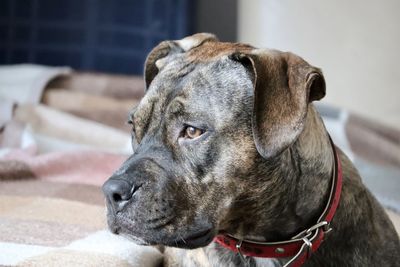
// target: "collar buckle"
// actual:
[[306, 233], [324, 225]]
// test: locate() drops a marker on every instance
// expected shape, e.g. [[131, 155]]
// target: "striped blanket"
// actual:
[[57, 147], [52, 213]]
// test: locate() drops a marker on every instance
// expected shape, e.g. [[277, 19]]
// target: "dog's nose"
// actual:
[[118, 192]]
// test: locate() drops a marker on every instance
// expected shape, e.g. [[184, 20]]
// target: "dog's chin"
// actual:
[[117, 230], [191, 240], [136, 240]]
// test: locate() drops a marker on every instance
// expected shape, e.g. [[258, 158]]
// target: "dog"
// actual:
[[231, 160]]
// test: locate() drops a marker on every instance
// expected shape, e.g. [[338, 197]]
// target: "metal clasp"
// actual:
[[308, 243], [323, 224], [306, 233]]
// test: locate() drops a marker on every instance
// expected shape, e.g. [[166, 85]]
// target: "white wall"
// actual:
[[356, 43]]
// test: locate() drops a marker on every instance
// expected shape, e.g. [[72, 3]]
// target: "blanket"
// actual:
[[52, 212], [57, 147], [66, 135]]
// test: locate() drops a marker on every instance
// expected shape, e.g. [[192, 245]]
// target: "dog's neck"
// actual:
[[306, 183], [314, 155]]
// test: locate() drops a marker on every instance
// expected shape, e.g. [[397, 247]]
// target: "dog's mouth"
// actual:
[[194, 240], [196, 235]]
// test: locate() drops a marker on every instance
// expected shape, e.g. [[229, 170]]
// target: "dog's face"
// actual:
[[197, 144]]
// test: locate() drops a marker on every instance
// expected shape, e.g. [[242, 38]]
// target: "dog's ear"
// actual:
[[154, 60], [284, 84]]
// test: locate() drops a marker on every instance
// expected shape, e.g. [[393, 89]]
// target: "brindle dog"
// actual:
[[226, 139]]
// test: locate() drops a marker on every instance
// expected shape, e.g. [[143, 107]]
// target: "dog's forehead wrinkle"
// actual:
[[223, 88], [151, 109], [229, 81], [169, 84], [176, 106], [201, 89]]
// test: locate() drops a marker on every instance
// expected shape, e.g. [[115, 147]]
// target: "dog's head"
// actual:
[[214, 113]]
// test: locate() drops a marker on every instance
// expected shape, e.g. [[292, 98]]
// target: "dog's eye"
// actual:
[[191, 132]]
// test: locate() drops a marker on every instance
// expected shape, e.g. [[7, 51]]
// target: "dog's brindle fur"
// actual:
[[260, 171]]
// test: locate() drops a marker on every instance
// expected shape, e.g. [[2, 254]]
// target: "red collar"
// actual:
[[302, 244]]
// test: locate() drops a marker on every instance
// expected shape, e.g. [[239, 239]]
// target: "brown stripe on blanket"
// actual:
[[51, 122], [69, 191], [33, 232], [52, 210], [106, 110], [15, 170], [64, 257], [117, 86]]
